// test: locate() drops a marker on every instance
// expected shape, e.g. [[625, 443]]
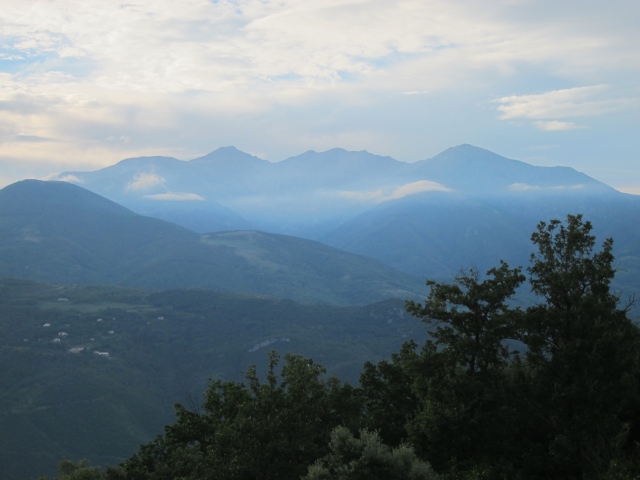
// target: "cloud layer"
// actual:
[[86, 83], [144, 181], [379, 196], [175, 197]]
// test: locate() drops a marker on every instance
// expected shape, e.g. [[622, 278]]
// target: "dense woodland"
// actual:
[[498, 391]]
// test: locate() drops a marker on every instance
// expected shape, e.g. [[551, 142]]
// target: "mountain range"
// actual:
[[215, 276], [464, 207], [57, 232], [310, 194]]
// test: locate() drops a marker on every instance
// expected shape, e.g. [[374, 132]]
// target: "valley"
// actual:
[[97, 375], [110, 313]]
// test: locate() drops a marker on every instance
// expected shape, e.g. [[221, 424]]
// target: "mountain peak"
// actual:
[[468, 168], [32, 196], [229, 150], [469, 153], [225, 154]]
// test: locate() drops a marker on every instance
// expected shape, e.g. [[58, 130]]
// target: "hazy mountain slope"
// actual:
[[472, 170], [170, 189], [312, 193], [488, 213], [465, 206], [336, 169], [61, 233], [58, 232], [436, 235]]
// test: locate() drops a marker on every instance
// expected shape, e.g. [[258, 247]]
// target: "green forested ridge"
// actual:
[[464, 405], [55, 232], [164, 347]]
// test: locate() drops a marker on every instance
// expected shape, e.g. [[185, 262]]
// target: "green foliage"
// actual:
[[270, 429], [583, 352], [568, 410], [389, 399], [464, 402], [165, 346], [463, 417], [81, 470], [369, 458], [472, 317]]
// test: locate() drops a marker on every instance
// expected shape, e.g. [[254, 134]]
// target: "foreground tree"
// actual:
[[352, 458], [81, 470], [259, 430], [583, 353], [465, 402], [464, 417], [570, 409], [472, 317], [388, 395]]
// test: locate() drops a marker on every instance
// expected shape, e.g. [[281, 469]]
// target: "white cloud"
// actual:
[[417, 187], [566, 103], [70, 179], [104, 80], [195, 46], [556, 125], [385, 195], [144, 181], [632, 189], [525, 187], [175, 196], [375, 195]]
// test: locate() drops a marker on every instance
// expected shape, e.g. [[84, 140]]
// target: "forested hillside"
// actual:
[[93, 372], [56, 232], [465, 206], [465, 404]]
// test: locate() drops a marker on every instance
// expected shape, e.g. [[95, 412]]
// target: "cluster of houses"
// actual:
[[62, 335]]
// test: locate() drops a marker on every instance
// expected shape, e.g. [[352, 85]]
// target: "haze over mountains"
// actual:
[[367, 228], [466, 206], [57, 232], [309, 194]]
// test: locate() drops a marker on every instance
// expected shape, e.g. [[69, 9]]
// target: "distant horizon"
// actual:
[[547, 83], [56, 175]]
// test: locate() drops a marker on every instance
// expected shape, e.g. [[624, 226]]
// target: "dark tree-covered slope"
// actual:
[[59, 232]]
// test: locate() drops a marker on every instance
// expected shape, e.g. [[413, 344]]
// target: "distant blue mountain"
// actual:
[[312, 193], [464, 207], [469, 169], [61, 233]]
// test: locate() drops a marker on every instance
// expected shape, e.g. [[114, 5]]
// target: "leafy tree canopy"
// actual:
[[464, 403], [352, 458]]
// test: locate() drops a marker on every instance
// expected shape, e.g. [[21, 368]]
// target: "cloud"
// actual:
[[30, 139], [70, 179], [222, 47], [385, 195], [566, 103], [556, 125], [175, 196], [376, 195], [525, 187], [105, 81], [144, 181], [417, 187], [632, 189]]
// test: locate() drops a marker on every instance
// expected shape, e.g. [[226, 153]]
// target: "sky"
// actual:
[[87, 83]]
